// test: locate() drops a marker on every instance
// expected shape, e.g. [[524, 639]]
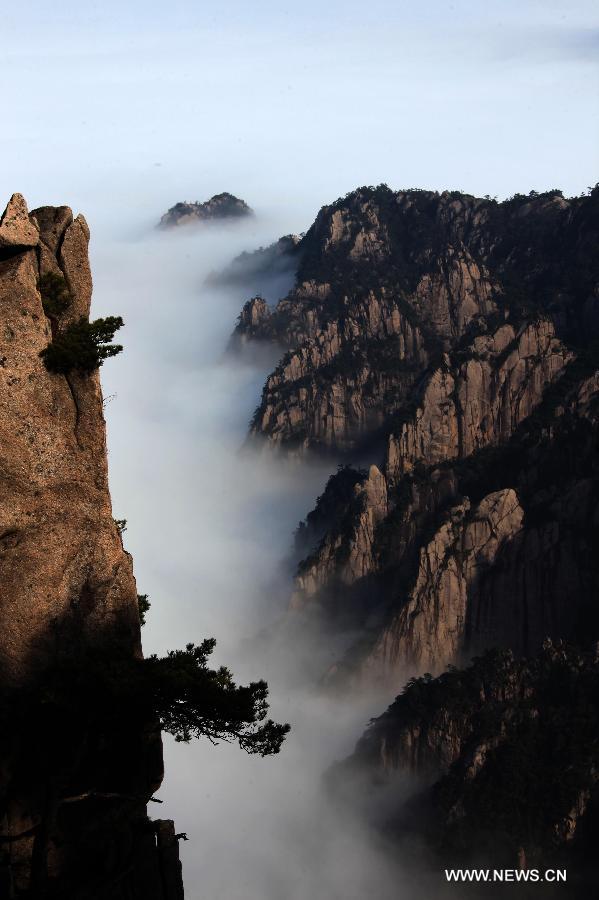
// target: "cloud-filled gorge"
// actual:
[[210, 529]]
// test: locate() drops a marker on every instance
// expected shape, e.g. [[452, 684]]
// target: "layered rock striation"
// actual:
[[73, 804]]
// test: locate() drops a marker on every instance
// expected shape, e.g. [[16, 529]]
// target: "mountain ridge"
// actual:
[[443, 350]]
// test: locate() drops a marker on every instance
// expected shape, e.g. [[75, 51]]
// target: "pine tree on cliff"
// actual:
[[80, 346], [179, 690]]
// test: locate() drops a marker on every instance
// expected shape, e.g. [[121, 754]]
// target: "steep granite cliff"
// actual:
[[444, 350], [389, 282], [493, 548], [73, 791], [449, 343]]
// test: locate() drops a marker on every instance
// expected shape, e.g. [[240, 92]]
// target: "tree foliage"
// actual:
[[179, 691], [193, 700], [55, 294], [143, 604], [82, 346]]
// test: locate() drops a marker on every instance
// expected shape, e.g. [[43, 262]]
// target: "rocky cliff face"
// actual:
[[507, 756], [443, 349], [447, 341], [389, 282], [74, 818], [492, 548], [63, 567]]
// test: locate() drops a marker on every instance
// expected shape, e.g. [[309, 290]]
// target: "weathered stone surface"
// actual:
[[432, 269], [430, 630], [74, 263], [473, 401], [253, 321], [462, 408], [67, 593], [16, 229], [52, 221], [64, 560], [481, 401], [331, 391], [356, 549], [452, 584]]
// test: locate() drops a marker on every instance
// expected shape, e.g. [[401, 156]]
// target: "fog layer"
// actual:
[[209, 529]]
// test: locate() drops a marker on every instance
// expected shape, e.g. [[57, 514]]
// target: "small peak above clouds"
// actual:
[[220, 206]]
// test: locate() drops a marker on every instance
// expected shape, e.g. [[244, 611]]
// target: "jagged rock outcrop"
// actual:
[[387, 282], [16, 229], [370, 503], [493, 548], [344, 379], [429, 632], [444, 334], [63, 565], [481, 400], [67, 592], [221, 206], [506, 753], [443, 348], [253, 321]]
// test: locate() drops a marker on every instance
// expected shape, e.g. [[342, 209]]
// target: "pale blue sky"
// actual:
[[295, 104]]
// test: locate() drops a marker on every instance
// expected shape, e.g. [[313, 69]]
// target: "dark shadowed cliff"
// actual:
[[507, 757]]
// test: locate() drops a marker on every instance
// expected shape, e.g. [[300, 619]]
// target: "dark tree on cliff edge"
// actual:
[[192, 700], [82, 346], [179, 691]]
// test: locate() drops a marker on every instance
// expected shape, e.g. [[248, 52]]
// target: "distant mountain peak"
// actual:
[[220, 206]]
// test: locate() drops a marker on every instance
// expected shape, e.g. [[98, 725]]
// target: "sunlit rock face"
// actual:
[[444, 344], [63, 567], [389, 282], [68, 592]]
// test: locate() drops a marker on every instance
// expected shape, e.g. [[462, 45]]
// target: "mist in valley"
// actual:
[[210, 529]]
